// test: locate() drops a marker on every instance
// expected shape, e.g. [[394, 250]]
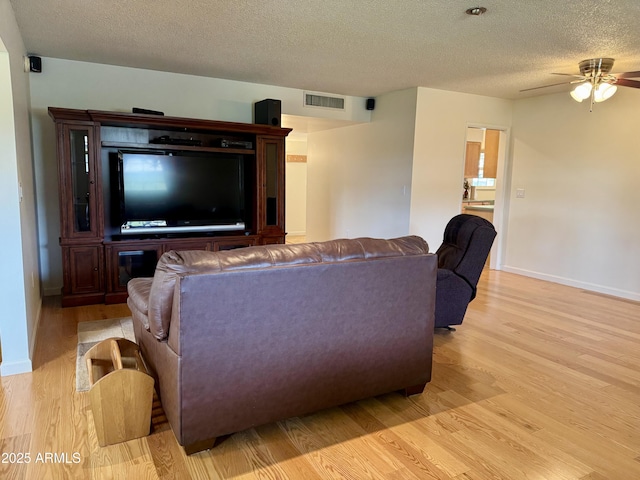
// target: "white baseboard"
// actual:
[[36, 327], [592, 287], [52, 292], [15, 368], [296, 234]]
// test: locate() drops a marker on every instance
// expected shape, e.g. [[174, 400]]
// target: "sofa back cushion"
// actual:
[[174, 264], [270, 343]]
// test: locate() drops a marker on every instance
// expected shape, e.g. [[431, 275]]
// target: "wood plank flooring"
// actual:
[[541, 381]]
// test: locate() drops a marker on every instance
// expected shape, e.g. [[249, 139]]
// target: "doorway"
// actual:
[[483, 180]]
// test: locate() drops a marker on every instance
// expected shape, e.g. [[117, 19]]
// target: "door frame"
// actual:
[[502, 198]]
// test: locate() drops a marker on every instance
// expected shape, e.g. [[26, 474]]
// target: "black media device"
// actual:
[[267, 112], [371, 103], [145, 111], [167, 140], [186, 192], [235, 143]]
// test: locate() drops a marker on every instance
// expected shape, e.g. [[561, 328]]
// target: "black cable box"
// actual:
[[167, 140], [235, 144]]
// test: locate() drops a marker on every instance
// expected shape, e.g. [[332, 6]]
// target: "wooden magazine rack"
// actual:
[[121, 393]]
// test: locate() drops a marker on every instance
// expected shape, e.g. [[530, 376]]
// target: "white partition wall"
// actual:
[[359, 177], [442, 119]]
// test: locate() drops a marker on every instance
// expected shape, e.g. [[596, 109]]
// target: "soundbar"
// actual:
[[127, 229]]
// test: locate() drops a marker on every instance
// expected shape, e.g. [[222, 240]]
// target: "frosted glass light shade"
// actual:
[[581, 92], [604, 91]]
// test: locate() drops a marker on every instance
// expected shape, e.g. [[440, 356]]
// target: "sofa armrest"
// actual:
[[170, 265], [138, 301]]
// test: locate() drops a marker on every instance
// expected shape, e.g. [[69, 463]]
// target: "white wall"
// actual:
[[296, 186], [19, 286], [359, 177], [475, 135], [82, 85], [441, 125], [578, 223]]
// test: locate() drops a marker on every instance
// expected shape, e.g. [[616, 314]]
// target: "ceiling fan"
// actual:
[[596, 81]]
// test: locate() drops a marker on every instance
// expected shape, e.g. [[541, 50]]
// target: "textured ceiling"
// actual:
[[349, 47]]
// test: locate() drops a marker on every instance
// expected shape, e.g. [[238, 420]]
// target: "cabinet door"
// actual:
[[270, 188], [472, 159], [130, 260], [187, 244], [80, 198], [84, 268], [491, 144]]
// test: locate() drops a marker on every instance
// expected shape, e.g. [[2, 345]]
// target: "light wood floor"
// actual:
[[540, 382]]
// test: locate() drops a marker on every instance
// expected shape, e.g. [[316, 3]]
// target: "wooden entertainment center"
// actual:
[[97, 260]]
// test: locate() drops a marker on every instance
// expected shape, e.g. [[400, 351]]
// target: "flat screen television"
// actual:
[[167, 193]]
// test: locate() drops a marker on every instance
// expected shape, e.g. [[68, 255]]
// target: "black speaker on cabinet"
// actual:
[[371, 103], [267, 112]]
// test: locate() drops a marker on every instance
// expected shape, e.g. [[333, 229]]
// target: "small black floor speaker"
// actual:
[[267, 112]]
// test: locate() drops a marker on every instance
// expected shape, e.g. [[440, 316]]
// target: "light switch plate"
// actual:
[[519, 192]]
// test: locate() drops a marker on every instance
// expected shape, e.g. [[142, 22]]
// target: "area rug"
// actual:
[[90, 333]]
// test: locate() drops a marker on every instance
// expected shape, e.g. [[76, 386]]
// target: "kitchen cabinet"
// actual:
[[472, 159], [491, 144]]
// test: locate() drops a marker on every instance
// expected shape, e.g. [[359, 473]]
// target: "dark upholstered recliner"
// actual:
[[461, 257]]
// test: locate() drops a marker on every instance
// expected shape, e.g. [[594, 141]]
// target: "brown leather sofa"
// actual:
[[241, 338]]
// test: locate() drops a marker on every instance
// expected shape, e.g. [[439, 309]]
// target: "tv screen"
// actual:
[[190, 192]]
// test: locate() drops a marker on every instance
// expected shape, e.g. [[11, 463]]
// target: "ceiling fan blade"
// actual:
[[628, 83], [627, 75], [570, 75], [552, 85], [544, 86]]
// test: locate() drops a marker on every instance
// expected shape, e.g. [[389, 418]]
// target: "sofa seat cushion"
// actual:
[[174, 264]]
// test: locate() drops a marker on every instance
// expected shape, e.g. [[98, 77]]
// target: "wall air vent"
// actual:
[[323, 101]]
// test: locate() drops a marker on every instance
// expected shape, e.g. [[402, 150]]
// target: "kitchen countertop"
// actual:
[[483, 208], [478, 202]]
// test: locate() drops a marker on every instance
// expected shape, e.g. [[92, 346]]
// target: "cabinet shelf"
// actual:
[[172, 147]]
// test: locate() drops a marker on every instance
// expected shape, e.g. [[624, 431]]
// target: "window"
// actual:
[[480, 181]]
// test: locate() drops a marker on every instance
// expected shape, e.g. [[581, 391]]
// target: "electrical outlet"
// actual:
[[519, 192]]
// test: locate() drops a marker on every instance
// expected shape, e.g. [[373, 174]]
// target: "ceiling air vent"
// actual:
[[315, 100]]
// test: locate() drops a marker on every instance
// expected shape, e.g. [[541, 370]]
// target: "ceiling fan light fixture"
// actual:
[[596, 82], [582, 91], [603, 92]]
